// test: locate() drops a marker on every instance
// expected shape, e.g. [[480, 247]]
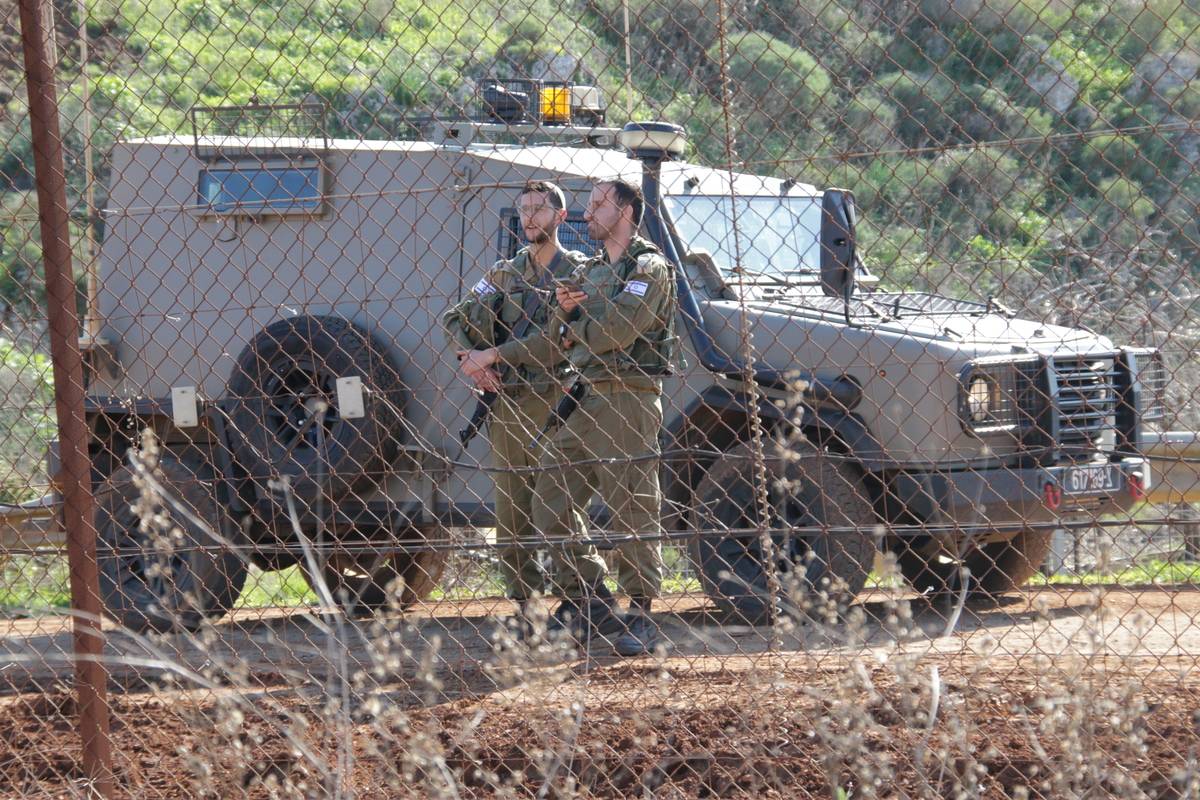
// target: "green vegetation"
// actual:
[[34, 583], [283, 587], [975, 146], [27, 422], [1156, 571]]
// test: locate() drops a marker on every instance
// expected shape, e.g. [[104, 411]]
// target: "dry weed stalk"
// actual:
[[895, 718]]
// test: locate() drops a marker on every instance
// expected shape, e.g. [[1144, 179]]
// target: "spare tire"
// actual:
[[279, 376]]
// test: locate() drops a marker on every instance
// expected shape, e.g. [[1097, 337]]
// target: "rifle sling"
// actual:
[[533, 300]]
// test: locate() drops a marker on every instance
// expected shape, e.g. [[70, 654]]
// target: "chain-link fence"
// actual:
[[490, 399]]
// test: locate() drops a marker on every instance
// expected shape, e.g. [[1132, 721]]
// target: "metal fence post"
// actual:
[[68, 393]]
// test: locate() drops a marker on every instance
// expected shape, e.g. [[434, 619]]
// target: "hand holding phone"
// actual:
[[569, 295]]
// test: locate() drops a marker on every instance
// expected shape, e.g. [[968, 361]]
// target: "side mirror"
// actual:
[[704, 264], [837, 243]]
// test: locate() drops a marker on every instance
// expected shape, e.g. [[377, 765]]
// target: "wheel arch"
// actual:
[[719, 418]]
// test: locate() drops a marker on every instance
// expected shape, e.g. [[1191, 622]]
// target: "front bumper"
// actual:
[[1038, 494]]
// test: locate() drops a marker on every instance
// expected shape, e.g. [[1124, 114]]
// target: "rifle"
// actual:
[[573, 394], [483, 409]]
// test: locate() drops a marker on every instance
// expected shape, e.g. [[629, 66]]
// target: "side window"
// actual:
[[259, 190], [573, 234]]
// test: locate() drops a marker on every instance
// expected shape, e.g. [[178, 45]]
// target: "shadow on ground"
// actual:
[[447, 650]]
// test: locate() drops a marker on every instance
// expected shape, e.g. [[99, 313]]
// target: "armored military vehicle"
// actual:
[[270, 308]]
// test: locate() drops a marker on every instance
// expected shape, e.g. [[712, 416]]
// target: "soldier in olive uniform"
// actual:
[[509, 308], [616, 331]]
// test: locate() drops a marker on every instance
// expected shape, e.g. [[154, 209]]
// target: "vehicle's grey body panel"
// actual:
[[409, 227]]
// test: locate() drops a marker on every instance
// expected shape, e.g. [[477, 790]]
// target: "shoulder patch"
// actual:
[[651, 262], [484, 288], [636, 287]]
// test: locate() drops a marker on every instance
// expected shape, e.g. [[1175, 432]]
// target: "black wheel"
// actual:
[[809, 489], [280, 376], [996, 567], [362, 579], [158, 569]]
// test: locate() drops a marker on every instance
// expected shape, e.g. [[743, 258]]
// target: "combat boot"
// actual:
[[521, 623], [641, 634], [582, 619]]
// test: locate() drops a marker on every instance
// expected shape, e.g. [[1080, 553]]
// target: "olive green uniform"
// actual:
[[487, 316], [616, 344]]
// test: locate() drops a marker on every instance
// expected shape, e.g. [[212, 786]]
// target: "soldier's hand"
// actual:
[[569, 299], [472, 362], [487, 380]]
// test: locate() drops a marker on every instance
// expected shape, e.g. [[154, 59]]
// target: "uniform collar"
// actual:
[[637, 246], [535, 275]]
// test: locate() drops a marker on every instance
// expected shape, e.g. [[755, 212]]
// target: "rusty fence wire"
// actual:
[[787, 398]]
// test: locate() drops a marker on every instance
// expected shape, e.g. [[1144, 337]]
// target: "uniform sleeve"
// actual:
[[537, 350], [540, 348], [471, 323], [614, 323]]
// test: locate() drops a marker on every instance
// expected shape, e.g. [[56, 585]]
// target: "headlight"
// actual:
[[992, 392], [982, 398]]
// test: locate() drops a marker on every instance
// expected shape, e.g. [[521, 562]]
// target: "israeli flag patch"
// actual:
[[484, 288], [636, 287]]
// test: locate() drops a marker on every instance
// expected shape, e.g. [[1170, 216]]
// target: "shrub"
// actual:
[[769, 74]]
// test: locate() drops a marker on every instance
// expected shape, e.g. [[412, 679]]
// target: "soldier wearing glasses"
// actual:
[[508, 309]]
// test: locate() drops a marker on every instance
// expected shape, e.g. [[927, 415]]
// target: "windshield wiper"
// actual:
[[734, 275], [809, 276]]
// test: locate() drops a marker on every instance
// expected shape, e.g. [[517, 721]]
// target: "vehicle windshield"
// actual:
[[776, 235]]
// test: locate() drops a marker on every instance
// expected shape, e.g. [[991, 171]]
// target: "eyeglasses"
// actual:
[[530, 211]]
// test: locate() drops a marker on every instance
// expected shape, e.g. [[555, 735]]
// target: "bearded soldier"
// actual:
[[508, 308]]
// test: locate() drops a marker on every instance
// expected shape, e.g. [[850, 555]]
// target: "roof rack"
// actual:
[[258, 130], [465, 132]]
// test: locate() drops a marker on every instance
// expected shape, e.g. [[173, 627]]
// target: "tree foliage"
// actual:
[[1028, 129]]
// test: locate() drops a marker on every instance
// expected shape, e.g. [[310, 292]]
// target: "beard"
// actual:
[[597, 231], [537, 235]]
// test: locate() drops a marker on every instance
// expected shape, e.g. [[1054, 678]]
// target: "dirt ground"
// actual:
[[1064, 691]]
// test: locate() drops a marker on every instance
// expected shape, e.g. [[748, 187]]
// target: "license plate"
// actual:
[[1091, 479]]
